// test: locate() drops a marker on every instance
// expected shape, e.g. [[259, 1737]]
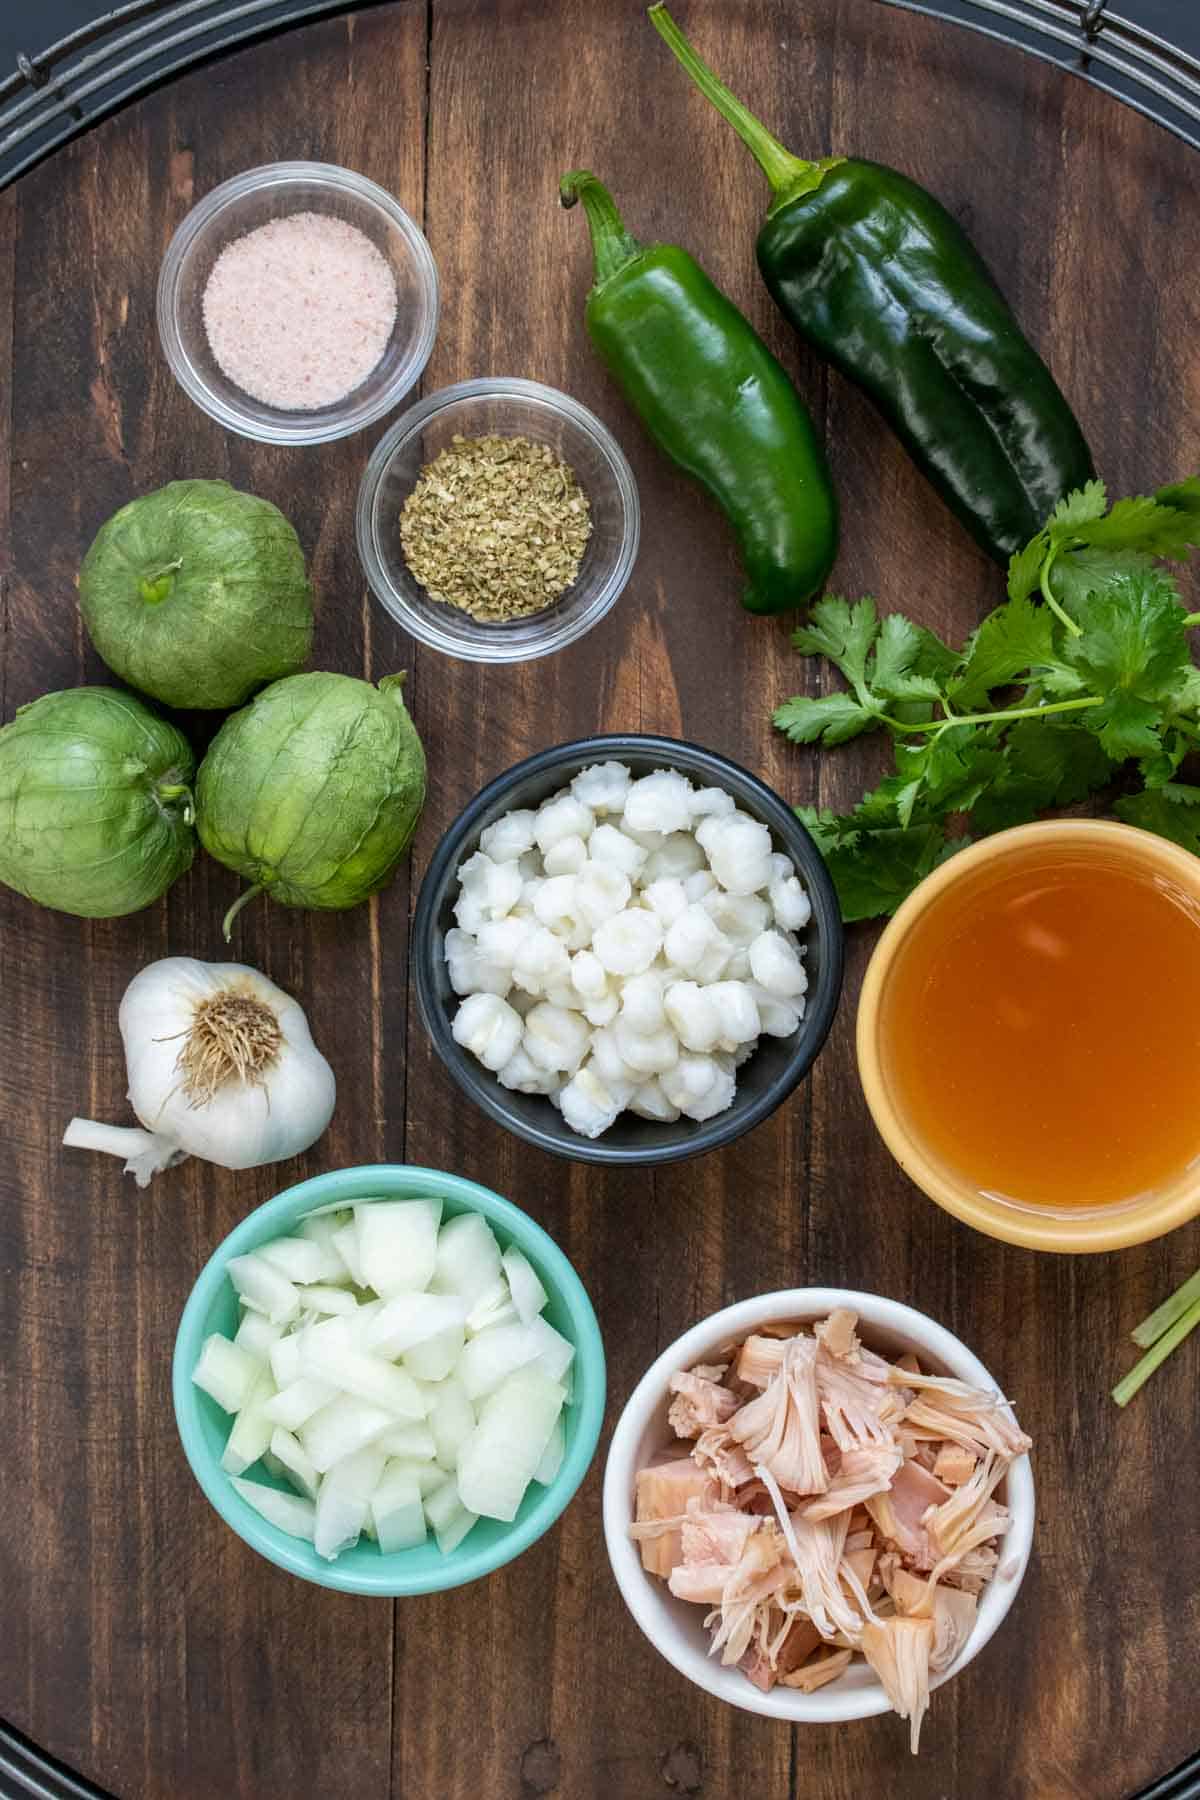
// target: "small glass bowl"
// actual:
[[276, 191], [505, 408]]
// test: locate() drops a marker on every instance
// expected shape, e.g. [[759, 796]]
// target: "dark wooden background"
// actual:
[[139, 1639]]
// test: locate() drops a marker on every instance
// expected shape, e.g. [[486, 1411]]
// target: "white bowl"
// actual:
[[675, 1627]]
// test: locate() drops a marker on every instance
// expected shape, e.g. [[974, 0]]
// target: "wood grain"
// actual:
[[143, 1643]]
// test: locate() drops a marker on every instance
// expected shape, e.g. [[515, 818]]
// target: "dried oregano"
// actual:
[[496, 526]]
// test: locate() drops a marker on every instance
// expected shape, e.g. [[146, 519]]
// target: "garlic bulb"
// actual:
[[221, 1065]]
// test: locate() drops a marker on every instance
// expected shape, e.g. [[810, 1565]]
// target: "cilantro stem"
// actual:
[[1064, 618], [937, 726], [1162, 1348]]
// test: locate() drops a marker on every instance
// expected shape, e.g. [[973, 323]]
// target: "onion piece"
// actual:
[[493, 1307], [252, 1429], [288, 1451], [226, 1372], [497, 1461], [284, 1356], [412, 1319], [450, 1519], [490, 1358], [397, 1512], [328, 1300], [397, 1244], [264, 1288], [345, 1242], [555, 1353], [528, 1294], [296, 1403], [427, 1475], [256, 1334], [451, 1419], [327, 1353], [468, 1258], [411, 1442], [343, 1502], [287, 1512], [341, 1429], [552, 1455], [301, 1260], [437, 1356]]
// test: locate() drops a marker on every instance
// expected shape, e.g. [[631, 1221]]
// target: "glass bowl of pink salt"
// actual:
[[297, 303]]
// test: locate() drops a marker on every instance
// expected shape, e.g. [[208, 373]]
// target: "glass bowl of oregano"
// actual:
[[497, 520]]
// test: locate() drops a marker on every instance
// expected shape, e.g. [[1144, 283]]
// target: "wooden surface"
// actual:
[[139, 1639]]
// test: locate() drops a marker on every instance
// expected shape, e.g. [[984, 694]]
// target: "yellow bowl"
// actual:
[[1040, 1228]]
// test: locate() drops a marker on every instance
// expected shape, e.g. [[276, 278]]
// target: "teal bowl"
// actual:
[[204, 1428]]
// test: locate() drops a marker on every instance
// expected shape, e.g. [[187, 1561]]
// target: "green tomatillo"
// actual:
[[313, 791], [197, 594], [95, 806]]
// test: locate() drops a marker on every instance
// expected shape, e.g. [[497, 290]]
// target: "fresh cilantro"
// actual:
[[1172, 811], [843, 634], [1081, 507], [1013, 639], [825, 718], [1085, 668], [1132, 638], [873, 869], [1087, 571]]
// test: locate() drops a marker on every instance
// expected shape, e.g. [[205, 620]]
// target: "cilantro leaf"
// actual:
[[1080, 507], [1126, 726], [873, 871], [1063, 757], [1078, 573], [1159, 768], [1025, 567], [890, 803], [826, 718], [1012, 640], [1184, 495], [842, 632], [1172, 811], [1143, 522], [1133, 639], [895, 670]]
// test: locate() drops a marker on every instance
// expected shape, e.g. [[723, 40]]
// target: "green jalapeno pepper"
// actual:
[[714, 399], [875, 273]]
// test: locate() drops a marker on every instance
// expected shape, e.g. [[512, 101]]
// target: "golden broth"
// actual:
[[1040, 1029]]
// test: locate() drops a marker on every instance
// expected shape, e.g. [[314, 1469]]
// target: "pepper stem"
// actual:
[[235, 909], [788, 175], [612, 245]]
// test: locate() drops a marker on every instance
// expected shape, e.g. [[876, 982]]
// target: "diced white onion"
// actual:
[[397, 1243], [287, 1512], [496, 1463], [528, 1294], [552, 1455], [490, 1358], [301, 1259], [264, 1288], [397, 1512], [366, 1407], [468, 1258], [227, 1372]]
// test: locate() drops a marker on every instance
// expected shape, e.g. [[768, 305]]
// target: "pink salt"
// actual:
[[299, 311]]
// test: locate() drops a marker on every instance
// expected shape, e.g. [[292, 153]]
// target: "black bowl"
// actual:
[[763, 1081]]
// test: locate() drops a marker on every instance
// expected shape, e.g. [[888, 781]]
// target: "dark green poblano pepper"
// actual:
[[714, 398], [878, 276]]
